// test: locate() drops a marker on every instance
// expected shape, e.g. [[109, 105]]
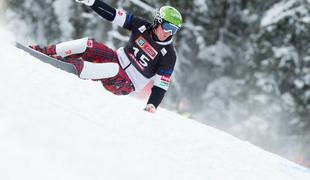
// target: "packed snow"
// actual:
[[56, 126]]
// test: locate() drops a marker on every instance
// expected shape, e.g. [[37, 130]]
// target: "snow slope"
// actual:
[[56, 126]]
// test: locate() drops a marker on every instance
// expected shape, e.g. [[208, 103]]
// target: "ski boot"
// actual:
[[48, 50], [78, 63]]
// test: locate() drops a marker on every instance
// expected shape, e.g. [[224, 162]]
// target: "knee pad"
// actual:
[[72, 47], [99, 70]]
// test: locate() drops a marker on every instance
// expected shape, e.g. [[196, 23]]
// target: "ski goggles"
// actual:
[[168, 27]]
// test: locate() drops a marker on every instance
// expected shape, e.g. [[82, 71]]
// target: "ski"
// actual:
[[49, 60]]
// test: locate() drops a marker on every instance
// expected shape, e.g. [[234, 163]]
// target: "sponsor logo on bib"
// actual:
[[146, 47]]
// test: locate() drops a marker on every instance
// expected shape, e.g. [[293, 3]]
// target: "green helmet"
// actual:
[[169, 14]]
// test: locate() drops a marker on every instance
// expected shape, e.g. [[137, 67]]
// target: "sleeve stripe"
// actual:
[[162, 81], [129, 19], [104, 10], [120, 18]]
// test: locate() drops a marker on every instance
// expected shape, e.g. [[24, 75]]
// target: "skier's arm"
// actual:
[[161, 83], [155, 99], [109, 13]]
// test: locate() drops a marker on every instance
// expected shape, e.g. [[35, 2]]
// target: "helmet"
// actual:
[[168, 14]]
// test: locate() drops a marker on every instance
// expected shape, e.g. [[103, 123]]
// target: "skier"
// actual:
[[149, 54]]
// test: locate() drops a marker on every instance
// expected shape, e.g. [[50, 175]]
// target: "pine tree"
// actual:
[[281, 52]]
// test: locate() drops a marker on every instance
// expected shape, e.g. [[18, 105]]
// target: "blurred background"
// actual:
[[243, 65]]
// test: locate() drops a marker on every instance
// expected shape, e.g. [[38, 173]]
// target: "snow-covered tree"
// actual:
[[280, 56]]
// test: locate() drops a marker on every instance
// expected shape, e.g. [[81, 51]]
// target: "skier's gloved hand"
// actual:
[[86, 2], [150, 108]]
